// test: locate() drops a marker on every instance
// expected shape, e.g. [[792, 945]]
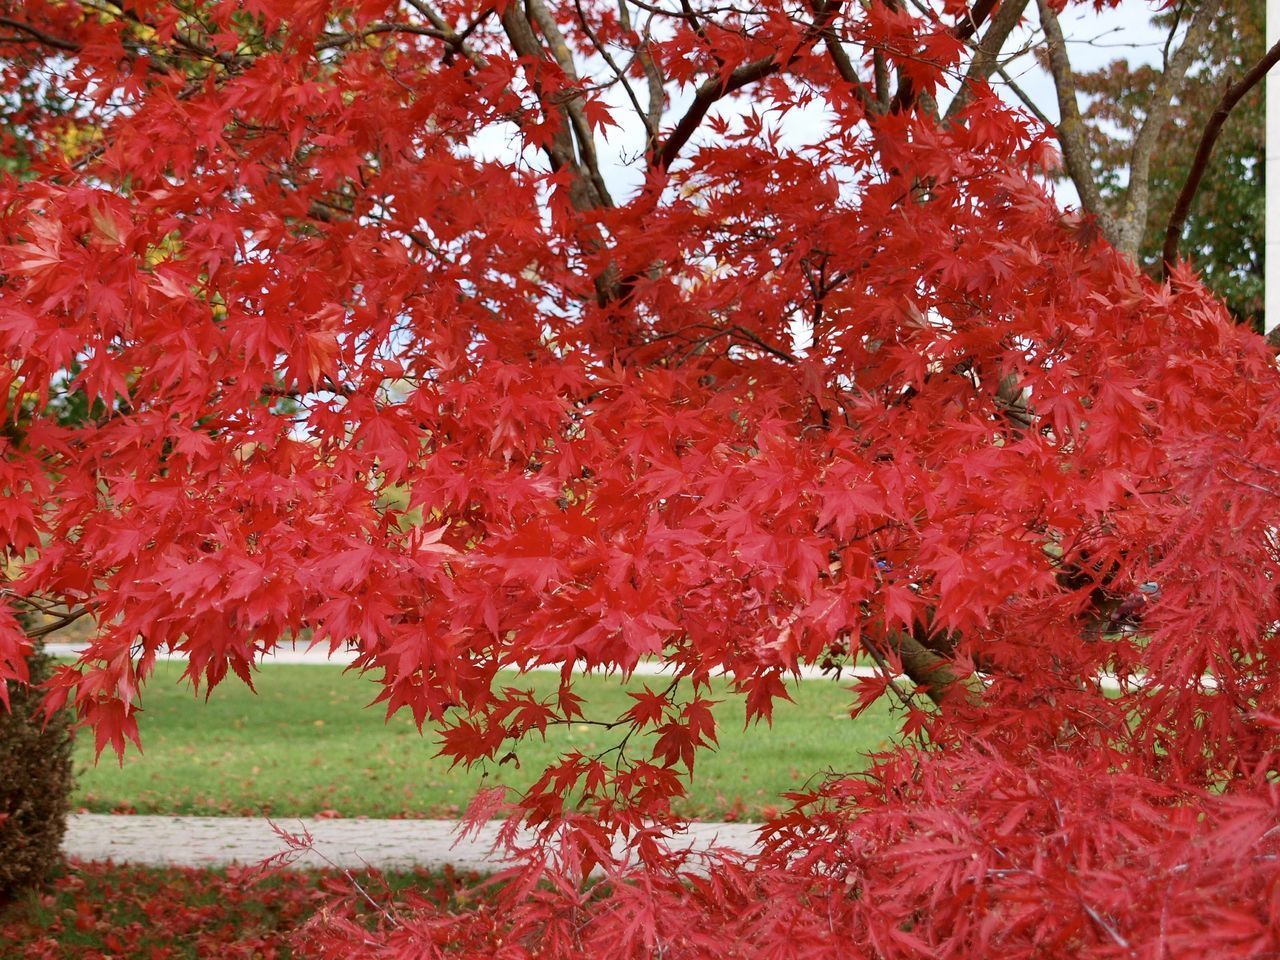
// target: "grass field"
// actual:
[[306, 745]]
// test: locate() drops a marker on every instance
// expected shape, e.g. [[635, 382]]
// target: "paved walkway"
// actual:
[[298, 653], [385, 844]]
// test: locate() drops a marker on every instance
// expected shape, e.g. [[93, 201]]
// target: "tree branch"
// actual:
[[1076, 154], [719, 87], [48, 39], [707, 95], [1023, 97], [374, 29], [907, 96], [1186, 196], [934, 672], [985, 60], [1133, 218], [571, 107], [652, 74], [825, 11], [454, 40], [973, 21], [524, 42], [651, 129], [880, 69], [58, 624]]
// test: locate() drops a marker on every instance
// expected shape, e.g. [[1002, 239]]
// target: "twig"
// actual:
[[1022, 96], [58, 624], [341, 39], [908, 699], [48, 39], [650, 129], [1106, 926]]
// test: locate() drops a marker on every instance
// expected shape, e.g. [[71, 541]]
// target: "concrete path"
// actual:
[[299, 653], [385, 844]]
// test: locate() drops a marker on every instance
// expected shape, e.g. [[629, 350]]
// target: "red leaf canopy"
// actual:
[[347, 319]]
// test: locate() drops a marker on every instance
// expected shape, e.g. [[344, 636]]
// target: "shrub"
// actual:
[[35, 784]]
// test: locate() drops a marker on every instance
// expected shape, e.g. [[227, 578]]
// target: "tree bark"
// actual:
[[1125, 228]]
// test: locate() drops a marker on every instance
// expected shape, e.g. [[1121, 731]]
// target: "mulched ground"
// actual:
[[96, 911]]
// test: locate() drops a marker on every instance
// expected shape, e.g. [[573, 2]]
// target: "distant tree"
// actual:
[[1224, 233], [1130, 131]]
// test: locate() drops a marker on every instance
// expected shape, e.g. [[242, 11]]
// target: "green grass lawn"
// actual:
[[306, 743]]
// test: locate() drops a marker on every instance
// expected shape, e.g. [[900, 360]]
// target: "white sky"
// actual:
[[1094, 39]]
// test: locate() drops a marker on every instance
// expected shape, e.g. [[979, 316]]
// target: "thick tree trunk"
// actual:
[[935, 674]]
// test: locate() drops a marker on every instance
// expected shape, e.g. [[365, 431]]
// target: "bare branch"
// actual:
[[907, 96], [696, 26], [906, 699], [935, 673], [374, 29], [559, 148], [1133, 218], [711, 91], [884, 95], [455, 40], [973, 21], [986, 58], [560, 51], [572, 107], [1173, 30], [58, 624], [48, 39], [651, 129], [717, 88], [1071, 133], [766, 347], [824, 11], [652, 73], [1023, 97]]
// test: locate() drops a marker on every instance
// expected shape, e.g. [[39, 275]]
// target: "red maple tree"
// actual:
[[488, 336]]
